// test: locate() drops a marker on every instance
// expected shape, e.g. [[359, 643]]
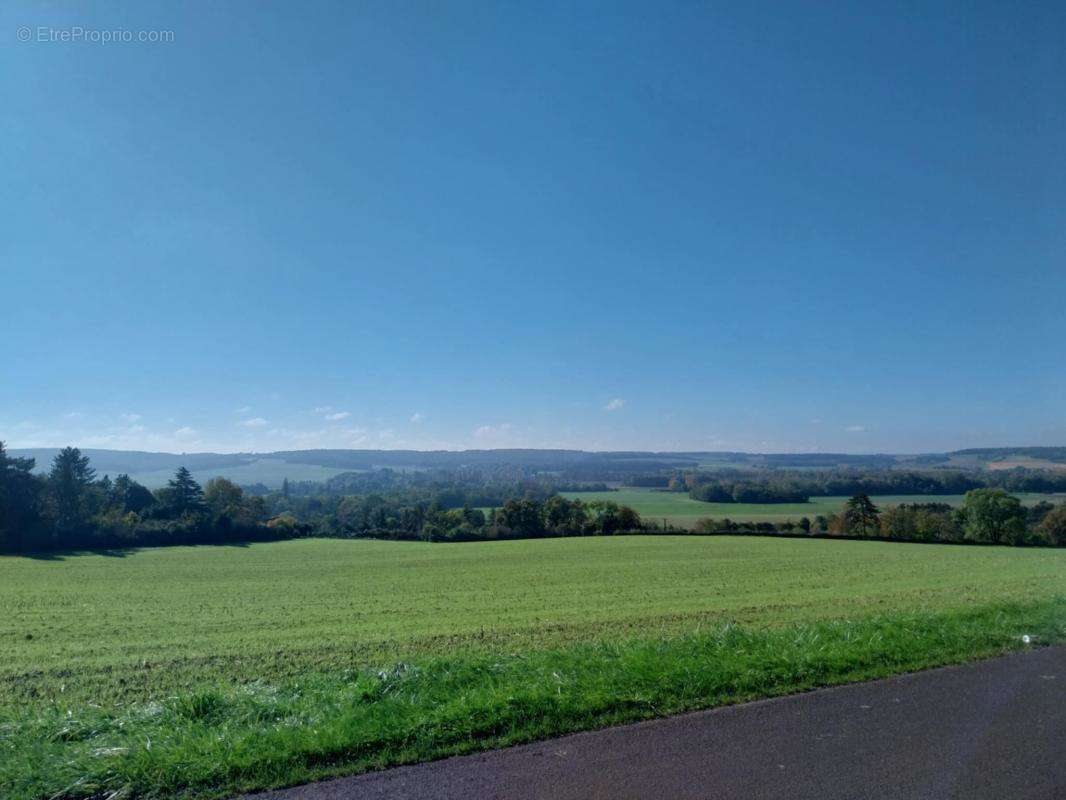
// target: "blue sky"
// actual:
[[596, 225]]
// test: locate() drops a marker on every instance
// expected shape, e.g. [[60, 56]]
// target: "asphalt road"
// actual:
[[994, 729]]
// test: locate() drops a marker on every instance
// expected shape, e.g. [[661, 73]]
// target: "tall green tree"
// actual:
[[69, 482], [19, 506], [184, 494], [129, 495], [230, 506], [521, 516], [861, 515], [1053, 525], [992, 515], [223, 497]]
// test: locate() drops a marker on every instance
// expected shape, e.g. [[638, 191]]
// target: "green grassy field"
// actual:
[[287, 606], [681, 510], [264, 665]]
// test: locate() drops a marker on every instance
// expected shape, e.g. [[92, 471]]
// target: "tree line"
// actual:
[[987, 515], [450, 488], [72, 507], [526, 518], [790, 486]]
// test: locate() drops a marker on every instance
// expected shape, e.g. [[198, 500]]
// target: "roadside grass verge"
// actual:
[[221, 739]]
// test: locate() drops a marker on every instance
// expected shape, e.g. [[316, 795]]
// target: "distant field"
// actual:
[[205, 672], [681, 510], [1026, 462], [268, 471]]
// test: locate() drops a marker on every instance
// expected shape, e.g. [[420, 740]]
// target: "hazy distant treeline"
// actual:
[[448, 488], [394, 518], [794, 486]]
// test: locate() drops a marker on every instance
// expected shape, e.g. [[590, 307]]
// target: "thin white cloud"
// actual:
[[334, 436], [855, 428], [616, 404], [321, 409], [255, 422], [493, 431], [338, 416], [242, 410], [73, 415], [418, 417], [130, 418], [137, 437]]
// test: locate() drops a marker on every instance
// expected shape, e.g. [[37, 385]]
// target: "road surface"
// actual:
[[993, 729]]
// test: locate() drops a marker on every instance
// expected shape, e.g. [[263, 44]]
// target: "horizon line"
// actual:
[[538, 450]]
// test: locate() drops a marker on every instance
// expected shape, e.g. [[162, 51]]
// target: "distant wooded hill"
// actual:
[[270, 469]]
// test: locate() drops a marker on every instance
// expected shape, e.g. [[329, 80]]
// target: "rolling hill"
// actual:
[[270, 469]]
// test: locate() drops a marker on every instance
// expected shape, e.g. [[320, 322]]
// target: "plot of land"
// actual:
[[1026, 462], [681, 510], [270, 472], [106, 626], [206, 671]]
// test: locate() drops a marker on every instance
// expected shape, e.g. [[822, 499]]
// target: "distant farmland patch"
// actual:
[[268, 471], [681, 510], [1025, 462]]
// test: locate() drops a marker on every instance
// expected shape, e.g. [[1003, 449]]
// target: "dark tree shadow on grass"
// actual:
[[62, 554]]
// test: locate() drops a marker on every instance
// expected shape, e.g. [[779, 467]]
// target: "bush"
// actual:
[[1052, 527], [992, 515]]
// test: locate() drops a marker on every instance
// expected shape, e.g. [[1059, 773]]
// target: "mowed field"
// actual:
[[205, 672], [682, 511], [108, 627]]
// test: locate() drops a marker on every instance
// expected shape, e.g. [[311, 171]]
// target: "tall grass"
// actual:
[[220, 739]]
